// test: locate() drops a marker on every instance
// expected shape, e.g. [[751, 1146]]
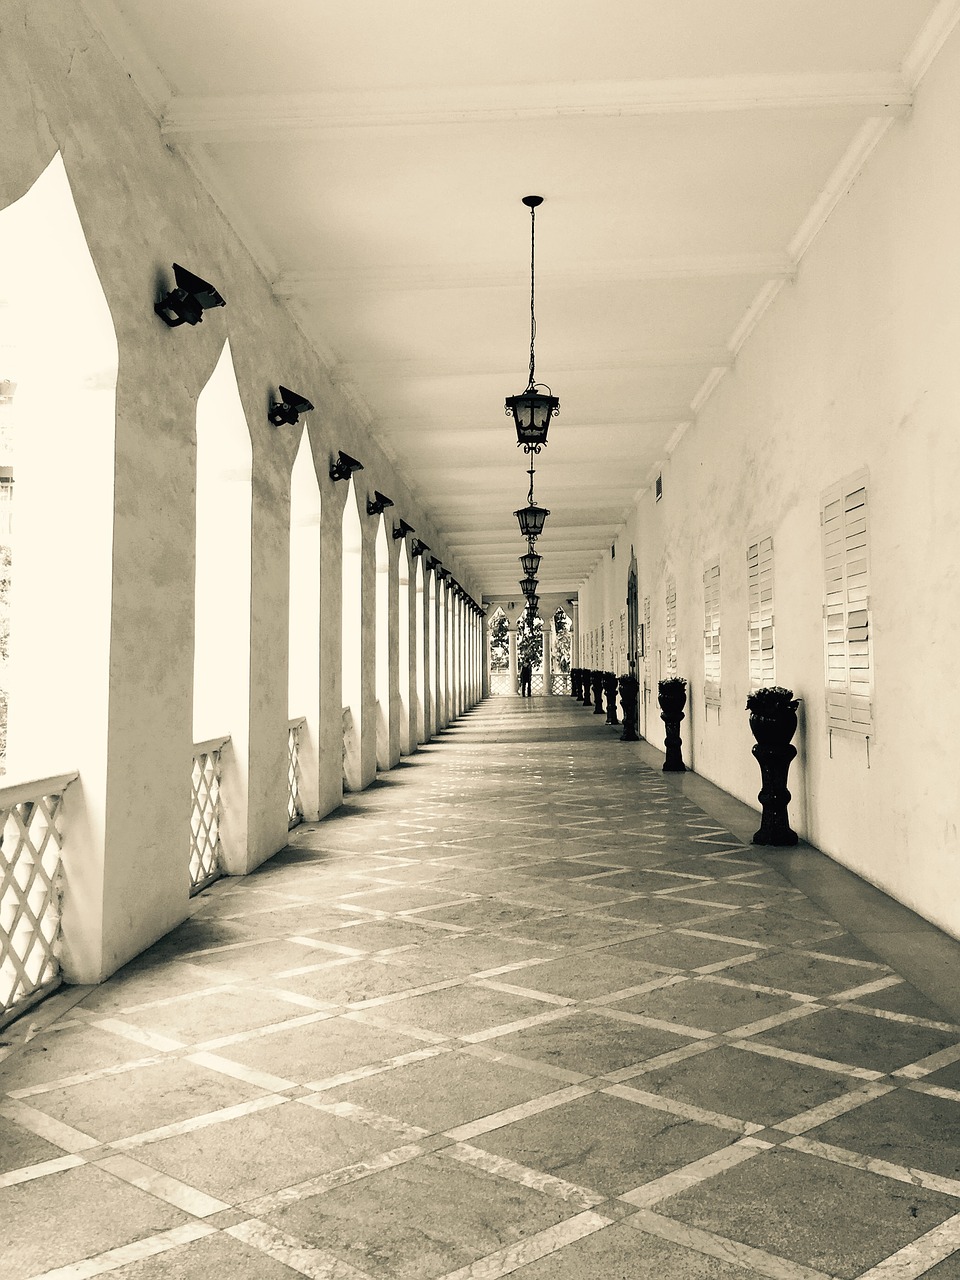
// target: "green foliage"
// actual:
[[530, 641], [563, 642], [500, 643]]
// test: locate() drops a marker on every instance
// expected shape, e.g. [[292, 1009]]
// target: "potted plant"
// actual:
[[773, 722], [672, 696]]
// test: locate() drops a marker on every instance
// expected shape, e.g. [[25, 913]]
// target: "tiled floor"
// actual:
[[520, 1008]]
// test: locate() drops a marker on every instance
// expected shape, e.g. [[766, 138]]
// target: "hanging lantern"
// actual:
[[528, 586], [530, 563], [534, 407], [531, 520]]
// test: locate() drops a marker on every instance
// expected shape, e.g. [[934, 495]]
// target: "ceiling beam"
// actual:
[[448, 367], [261, 116], [428, 278]]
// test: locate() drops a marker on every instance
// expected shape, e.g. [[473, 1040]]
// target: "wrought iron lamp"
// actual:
[[344, 467], [528, 586], [534, 407], [378, 503], [187, 302], [530, 563], [289, 408]]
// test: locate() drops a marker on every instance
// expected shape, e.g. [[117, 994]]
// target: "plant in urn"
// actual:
[[672, 696], [773, 722]]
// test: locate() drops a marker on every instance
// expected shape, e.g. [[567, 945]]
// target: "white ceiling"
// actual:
[[373, 153]]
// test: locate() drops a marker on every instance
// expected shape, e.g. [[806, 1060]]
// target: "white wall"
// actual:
[[856, 364]]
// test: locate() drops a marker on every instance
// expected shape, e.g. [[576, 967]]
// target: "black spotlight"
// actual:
[[378, 503], [344, 467], [187, 302], [402, 529], [289, 408], [418, 547]]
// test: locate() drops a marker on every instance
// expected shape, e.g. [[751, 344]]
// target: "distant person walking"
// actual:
[[526, 681]]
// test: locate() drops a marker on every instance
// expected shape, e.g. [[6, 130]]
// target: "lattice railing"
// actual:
[[30, 892], [560, 682], [536, 683], [500, 683], [294, 803], [205, 849]]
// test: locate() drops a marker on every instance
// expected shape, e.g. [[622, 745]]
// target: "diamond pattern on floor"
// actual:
[[521, 1007]]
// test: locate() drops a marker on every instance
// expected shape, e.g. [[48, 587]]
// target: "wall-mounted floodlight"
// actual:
[[288, 408], [378, 503], [344, 467], [187, 302], [418, 547], [402, 529]]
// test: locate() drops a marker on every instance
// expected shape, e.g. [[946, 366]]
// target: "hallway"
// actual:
[[521, 1007]]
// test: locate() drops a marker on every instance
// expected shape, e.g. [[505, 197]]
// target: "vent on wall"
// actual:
[[659, 487], [613, 551]]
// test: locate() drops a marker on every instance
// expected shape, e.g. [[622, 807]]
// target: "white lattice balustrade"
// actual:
[[205, 849], [30, 891], [294, 803]]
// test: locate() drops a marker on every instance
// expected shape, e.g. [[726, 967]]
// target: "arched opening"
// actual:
[[382, 641], [530, 648], [58, 377], [351, 631], [303, 672], [432, 659], [407, 715], [499, 653], [221, 661], [561, 644], [421, 650]]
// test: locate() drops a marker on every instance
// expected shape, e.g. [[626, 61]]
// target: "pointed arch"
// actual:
[[303, 673]]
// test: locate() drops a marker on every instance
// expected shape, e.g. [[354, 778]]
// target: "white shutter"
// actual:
[[711, 635], [763, 667], [646, 642], [671, 637], [848, 650]]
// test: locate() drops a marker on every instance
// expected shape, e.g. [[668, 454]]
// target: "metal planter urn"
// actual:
[[629, 694], [575, 691], [597, 681], [672, 697], [586, 677], [610, 693], [773, 722]]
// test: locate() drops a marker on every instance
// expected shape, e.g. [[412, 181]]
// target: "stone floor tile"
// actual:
[[712, 1006], [421, 1219], [590, 1043], [49, 1222], [462, 1010], [605, 1143], [752, 1087], [860, 1039], [420, 1093], [827, 1216], [915, 1130], [677, 950], [620, 1252], [262, 1152], [319, 1049], [161, 1093], [19, 1148], [211, 1258]]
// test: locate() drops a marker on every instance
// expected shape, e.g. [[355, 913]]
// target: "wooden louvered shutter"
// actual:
[[763, 667], [671, 637], [711, 635], [848, 651]]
